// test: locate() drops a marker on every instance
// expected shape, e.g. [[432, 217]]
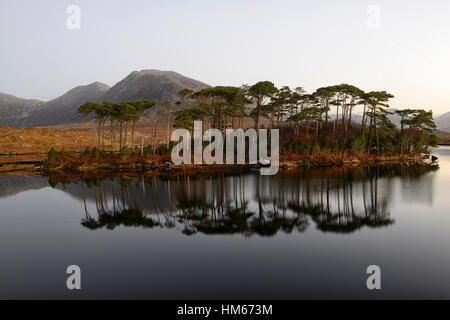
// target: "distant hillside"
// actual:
[[154, 85], [357, 118], [443, 122], [14, 111], [64, 109], [12, 185], [151, 84]]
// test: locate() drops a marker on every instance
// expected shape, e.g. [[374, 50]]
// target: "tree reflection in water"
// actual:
[[121, 210], [339, 200]]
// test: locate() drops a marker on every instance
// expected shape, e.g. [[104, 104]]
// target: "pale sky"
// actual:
[[296, 43]]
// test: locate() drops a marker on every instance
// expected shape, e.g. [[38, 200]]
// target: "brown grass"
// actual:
[[41, 140], [444, 139], [38, 140]]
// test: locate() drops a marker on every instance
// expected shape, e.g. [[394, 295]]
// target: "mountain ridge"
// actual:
[[14, 110], [64, 108], [157, 84], [151, 84], [443, 122]]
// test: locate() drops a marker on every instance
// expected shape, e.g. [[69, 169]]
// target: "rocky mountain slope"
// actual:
[[12, 185], [357, 117], [14, 111], [443, 122], [154, 85], [64, 109]]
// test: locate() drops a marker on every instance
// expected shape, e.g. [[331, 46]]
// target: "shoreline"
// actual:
[[152, 165]]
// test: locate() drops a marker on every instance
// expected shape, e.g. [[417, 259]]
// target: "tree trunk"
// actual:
[[344, 115], [154, 140], [121, 135], [103, 134], [220, 118], [93, 136], [376, 132], [369, 137], [272, 116], [111, 133], [132, 134], [363, 122], [168, 132], [82, 131], [126, 134], [337, 118], [350, 119], [99, 132]]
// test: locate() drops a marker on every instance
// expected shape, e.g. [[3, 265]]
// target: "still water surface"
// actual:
[[300, 235]]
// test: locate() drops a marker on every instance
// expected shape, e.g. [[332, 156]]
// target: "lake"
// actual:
[[305, 234]]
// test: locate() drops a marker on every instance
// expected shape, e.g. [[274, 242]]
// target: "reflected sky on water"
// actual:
[[308, 234]]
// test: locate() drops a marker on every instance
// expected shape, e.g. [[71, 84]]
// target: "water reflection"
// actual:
[[340, 200], [12, 185]]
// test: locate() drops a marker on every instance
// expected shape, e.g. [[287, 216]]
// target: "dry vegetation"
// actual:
[[37, 140], [41, 140], [444, 139]]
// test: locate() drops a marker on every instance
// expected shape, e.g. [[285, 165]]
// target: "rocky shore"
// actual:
[[161, 165]]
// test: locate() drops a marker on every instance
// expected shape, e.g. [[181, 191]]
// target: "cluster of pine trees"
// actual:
[[115, 117], [304, 119]]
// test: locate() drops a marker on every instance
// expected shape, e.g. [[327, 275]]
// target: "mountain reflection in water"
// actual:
[[339, 200]]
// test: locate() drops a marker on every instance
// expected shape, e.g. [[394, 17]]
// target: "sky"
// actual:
[[399, 46]]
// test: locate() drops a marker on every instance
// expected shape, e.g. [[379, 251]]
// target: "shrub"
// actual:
[[163, 149], [125, 151], [148, 149], [52, 154], [87, 151]]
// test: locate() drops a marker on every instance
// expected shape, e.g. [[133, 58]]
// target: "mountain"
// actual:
[[64, 109], [395, 118], [14, 111], [12, 185], [357, 118], [443, 122], [153, 85]]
